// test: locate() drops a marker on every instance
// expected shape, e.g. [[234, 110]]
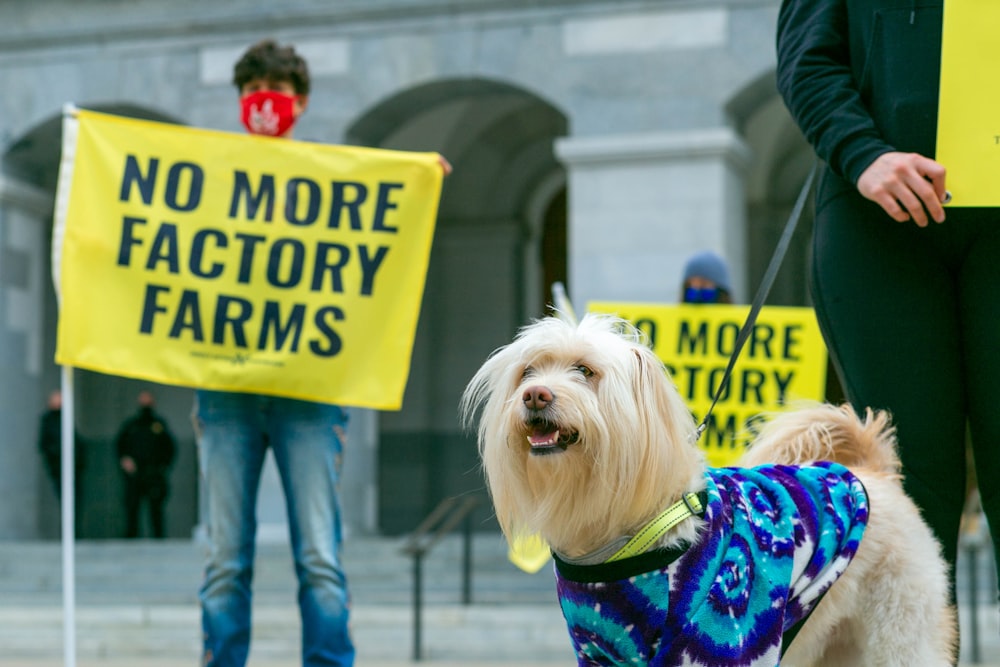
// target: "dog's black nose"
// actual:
[[537, 397]]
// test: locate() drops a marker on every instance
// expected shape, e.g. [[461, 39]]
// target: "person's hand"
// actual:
[[128, 465], [907, 185], [445, 165]]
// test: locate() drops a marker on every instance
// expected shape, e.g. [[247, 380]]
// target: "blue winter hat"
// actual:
[[710, 266]]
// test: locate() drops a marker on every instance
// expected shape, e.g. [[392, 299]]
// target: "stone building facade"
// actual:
[[597, 142]]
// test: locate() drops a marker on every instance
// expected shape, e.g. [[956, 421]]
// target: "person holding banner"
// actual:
[[235, 430], [907, 301], [706, 279], [307, 438]]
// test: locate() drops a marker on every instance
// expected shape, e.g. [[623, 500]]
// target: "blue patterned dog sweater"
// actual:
[[777, 537]]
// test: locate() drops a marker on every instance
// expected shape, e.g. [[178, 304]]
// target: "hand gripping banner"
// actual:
[[241, 263]]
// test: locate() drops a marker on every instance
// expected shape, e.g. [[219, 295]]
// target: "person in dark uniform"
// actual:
[[50, 443], [146, 449], [50, 449]]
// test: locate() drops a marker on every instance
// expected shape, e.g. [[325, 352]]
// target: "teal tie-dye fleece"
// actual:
[[776, 539]]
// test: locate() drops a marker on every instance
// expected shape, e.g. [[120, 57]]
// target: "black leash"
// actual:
[[762, 292]]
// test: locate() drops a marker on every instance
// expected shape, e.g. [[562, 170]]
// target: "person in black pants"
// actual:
[[906, 299], [146, 449]]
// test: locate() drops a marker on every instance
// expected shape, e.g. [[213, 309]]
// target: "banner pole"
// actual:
[[68, 519], [562, 305]]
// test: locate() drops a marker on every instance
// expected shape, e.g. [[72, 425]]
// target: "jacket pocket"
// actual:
[[901, 74]]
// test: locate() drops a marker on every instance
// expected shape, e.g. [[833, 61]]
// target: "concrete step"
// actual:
[[136, 602], [139, 599], [169, 572], [449, 632]]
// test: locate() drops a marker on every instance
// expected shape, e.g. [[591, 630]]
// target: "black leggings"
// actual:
[[912, 320]]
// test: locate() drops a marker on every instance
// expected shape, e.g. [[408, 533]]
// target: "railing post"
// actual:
[[442, 520], [417, 604], [972, 552], [467, 560]]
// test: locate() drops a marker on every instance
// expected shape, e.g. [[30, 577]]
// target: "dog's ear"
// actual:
[[649, 374], [659, 401], [493, 376]]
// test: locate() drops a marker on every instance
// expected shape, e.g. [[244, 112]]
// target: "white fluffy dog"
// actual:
[[586, 441]]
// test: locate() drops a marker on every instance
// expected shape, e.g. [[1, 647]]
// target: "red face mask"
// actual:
[[268, 112]]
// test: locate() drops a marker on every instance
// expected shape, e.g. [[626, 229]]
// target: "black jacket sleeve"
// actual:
[[820, 85]]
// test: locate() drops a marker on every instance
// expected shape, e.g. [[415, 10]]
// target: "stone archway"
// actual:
[[494, 250]]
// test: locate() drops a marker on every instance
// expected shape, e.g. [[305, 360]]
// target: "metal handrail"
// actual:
[[441, 521], [973, 540]]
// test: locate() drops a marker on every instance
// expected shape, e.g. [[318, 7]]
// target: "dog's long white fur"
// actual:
[[619, 471], [634, 456]]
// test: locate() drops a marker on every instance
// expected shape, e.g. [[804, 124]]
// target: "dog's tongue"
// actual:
[[543, 438]]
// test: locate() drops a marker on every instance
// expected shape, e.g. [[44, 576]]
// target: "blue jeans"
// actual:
[[234, 432]]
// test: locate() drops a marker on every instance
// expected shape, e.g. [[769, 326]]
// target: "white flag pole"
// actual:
[[68, 483], [561, 304], [68, 519]]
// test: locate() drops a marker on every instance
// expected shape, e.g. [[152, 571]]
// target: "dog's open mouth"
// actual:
[[546, 438]]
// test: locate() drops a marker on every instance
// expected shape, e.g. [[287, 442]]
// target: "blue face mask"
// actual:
[[701, 295]]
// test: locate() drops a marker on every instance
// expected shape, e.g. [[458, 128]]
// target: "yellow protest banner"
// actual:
[[968, 133], [783, 361], [241, 263]]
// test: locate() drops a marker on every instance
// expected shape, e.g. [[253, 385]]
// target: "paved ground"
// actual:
[[136, 603], [428, 663], [252, 663]]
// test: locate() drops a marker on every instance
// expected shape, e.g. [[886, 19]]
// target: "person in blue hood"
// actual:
[[706, 279]]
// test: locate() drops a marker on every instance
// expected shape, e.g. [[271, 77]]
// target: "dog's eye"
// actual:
[[528, 370], [585, 371]]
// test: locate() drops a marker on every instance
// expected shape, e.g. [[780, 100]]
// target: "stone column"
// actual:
[[25, 284], [639, 204]]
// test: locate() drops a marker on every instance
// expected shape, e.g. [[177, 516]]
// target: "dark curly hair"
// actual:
[[271, 62]]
